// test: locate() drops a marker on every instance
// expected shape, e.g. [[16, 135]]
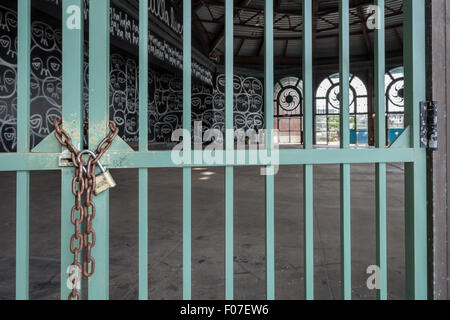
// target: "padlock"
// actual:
[[103, 181]]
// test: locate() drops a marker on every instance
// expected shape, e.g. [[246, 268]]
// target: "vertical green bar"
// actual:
[[344, 73], [143, 146], [187, 178], [270, 181], [99, 24], [72, 114], [380, 142], [308, 170], [187, 173], [22, 234], [381, 228], [229, 171], [23, 145], [346, 248], [415, 172], [344, 67]]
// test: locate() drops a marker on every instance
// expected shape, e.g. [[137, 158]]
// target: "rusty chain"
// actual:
[[79, 213]]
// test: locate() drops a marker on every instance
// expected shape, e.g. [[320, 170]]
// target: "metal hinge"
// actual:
[[429, 125]]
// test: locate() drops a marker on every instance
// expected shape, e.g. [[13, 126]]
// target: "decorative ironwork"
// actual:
[[328, 109], [289, 96], [288, 104], [395, 84], [290, 99], [395, 103]]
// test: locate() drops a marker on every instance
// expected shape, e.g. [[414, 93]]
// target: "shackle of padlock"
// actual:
[[104, 180], [92, 154]]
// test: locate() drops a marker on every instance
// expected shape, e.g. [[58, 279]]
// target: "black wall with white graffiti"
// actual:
[[46, 72], [165, 89]]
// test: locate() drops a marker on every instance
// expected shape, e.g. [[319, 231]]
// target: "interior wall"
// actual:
[[165, 87]]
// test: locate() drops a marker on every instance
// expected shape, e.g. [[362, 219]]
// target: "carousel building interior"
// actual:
[[165, 111]]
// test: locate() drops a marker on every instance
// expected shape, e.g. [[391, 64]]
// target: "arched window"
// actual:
[[395, 103], [328, 109], [288, 109]]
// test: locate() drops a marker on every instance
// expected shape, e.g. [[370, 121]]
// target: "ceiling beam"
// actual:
[[243, 5], [261, 48], [239, 48], [201, 33], [277, 5], [365, 31], [295, 28], [315, 21], [325, 36], [285, 48], [399, 37], [197, 5], [221, 34], [280, 60], [288, 13]]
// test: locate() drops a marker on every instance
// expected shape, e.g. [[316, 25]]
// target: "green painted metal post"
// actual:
[[270, 180], [415, 172], [344, 67], [380, 142], [308, 170], [23, 145], [72, 114], [143, 147], [98, 128], [187, 172], [229, 140], [381, 229]]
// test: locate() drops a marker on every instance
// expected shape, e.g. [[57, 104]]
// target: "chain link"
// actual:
[[89, 234], [107, 142], [83, 184]]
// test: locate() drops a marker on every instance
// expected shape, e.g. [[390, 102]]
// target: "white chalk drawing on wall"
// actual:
[[165, 99], [8, 77], [46, 69], [46, 87], [126, 28], [248, 102], [159, 8], [166, 14], [165, 103], [208, 106]]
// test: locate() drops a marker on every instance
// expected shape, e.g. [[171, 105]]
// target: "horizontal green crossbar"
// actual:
[[162, 159]]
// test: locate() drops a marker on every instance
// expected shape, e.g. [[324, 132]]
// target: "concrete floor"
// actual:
[[165, 248]]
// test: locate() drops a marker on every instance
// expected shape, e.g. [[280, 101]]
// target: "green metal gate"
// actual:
[[49, 155]]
